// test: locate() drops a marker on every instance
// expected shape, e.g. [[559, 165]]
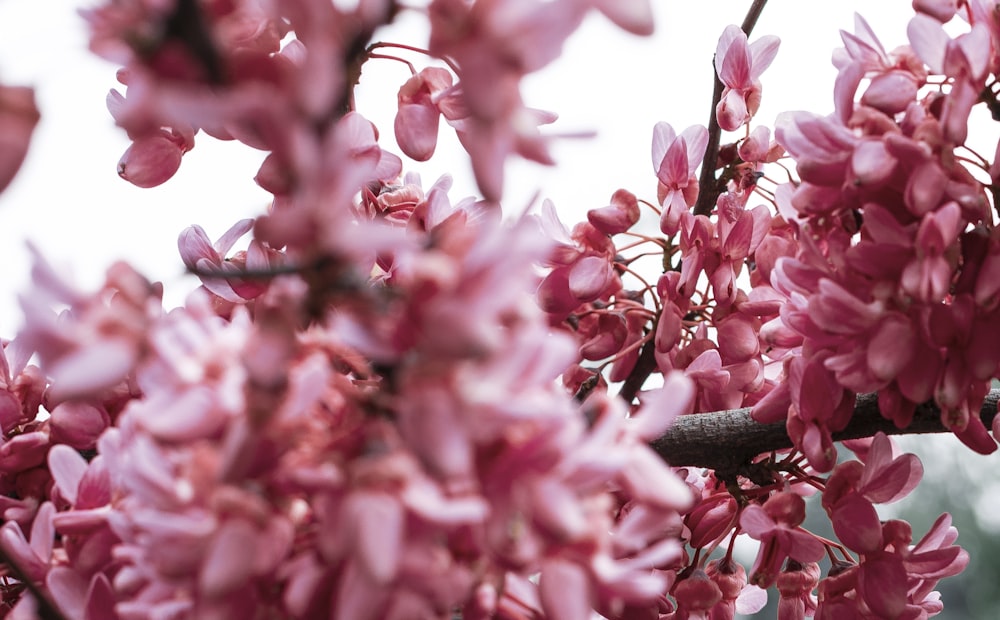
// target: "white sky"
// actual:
[[70, 202]]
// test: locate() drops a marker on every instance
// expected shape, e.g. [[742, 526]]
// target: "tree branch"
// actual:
[[46, 609], [727, 441], [708, 184]]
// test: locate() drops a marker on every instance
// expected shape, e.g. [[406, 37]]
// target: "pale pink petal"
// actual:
[[732, 58], [648, 479], [663, 137], [891, 92], [69, 591], [43, 533], [763, 52], [929, 40], [844, 88], [696, 139], [751, 600], [195, 246], [661, 407], [229, 560], [228, 238], [635, 16], [92, 368], [379, 523], [192, 414], [558, 509], [565, 590], [67, 468]]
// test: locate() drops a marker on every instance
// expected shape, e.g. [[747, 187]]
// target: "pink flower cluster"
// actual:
[[893, 288]]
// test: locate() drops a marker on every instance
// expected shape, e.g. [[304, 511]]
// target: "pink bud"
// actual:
[[619, 216], [150, 161], [78, 424]]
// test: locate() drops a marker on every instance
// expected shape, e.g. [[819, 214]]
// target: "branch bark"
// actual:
[[708, 183], [727, 441]]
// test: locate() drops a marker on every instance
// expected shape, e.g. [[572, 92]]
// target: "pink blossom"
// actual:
[[416, 123], [740, 66], [776, 526], [675, 159], [150, 161]]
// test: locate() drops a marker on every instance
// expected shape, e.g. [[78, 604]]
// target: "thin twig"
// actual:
[[708, 183]]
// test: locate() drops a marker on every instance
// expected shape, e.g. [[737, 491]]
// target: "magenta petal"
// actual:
[[673, 170], [589, 277], [803, 546], [937, 563], [100, 599], [857, 524], [756, 522], [895, 481], [882, 585]]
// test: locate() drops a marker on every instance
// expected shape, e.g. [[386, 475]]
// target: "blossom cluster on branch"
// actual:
[[394, 403]]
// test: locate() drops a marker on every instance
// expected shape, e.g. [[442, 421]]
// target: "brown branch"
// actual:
[[46, 609], [710, 186], [644, 367], [727, 441]]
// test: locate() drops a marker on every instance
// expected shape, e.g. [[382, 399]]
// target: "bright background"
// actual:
[[69, 201]]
